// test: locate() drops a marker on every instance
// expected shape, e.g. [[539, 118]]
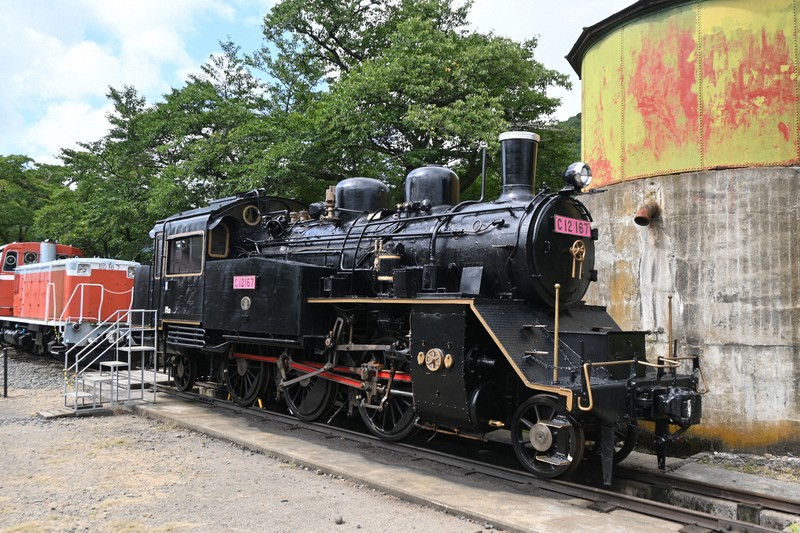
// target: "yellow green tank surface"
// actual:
[[675, 86]]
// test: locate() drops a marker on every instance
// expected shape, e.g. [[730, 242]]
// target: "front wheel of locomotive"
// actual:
[[546, 439], [184, 372], [246, 380]]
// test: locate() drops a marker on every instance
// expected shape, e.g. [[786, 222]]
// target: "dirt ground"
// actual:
[[128, 473]]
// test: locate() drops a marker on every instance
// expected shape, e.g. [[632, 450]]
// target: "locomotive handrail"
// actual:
[[668, 363], [103, 291], [588, 383], [699, 369], [557, 287], [50, 285]]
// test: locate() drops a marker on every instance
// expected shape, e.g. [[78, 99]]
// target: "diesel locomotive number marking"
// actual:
[[572, 226], [244, 282]]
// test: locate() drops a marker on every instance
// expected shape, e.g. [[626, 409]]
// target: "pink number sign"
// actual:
[[572, 226], [244, 282]]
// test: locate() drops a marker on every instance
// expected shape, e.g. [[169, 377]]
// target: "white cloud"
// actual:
[[63, 126], [59, 58], [130, 19]]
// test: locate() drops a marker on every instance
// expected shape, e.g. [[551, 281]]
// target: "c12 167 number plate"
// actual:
[[572, 226], [244, 282]]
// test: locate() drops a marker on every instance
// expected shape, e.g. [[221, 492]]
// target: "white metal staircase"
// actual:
[[120, 352]]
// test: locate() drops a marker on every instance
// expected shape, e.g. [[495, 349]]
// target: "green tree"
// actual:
[[353, 88], [103, 204], [379, 88], [205, 133], [25, 188]]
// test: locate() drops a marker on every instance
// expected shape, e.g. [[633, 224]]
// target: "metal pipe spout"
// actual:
[[647, 213]]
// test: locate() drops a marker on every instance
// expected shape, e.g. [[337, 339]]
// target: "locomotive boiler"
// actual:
[[462, 317]]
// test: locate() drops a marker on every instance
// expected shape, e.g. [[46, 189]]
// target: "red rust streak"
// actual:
[[663, 88], [752, 73]]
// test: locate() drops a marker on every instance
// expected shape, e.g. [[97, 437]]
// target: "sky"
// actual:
[[58, 59]]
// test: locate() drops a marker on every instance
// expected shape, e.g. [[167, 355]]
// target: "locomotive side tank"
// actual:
[[453, 316]]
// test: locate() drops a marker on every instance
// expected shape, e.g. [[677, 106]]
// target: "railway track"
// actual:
[[748, 503], [653, 485], [597, 498]]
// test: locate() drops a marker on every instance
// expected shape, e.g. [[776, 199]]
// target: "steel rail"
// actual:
[[601, 500], [711, 490]]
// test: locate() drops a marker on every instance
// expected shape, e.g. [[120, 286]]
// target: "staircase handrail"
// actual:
[[118, 327], [111, 323]]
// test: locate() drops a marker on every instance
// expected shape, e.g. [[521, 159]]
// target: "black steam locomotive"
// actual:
[[458, 317]]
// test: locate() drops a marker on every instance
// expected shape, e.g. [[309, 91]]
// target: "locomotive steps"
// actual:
[[121, 349]]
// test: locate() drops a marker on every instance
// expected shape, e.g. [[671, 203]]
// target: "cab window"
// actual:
[[185, 255], [218, 241], [10, 262]]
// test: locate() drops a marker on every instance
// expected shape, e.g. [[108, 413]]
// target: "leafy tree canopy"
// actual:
[[25, 188], [340, 88], [387, 86]]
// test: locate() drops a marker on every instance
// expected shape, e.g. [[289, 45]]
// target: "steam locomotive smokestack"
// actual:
[[518, 150]]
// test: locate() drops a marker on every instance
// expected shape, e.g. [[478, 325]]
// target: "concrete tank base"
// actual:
[[725, 245]]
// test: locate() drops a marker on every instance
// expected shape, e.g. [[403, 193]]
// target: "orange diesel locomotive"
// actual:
[[52, 296]]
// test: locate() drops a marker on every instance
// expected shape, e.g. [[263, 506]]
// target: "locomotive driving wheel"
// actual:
[[246, 380], [389, 417], [311, 398], [184, 372], [546, 439]]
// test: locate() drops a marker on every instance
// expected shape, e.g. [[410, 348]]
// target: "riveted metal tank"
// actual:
[[690, 115], [673, 86]]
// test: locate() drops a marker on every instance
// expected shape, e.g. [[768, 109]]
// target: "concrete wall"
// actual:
[[726, 247]]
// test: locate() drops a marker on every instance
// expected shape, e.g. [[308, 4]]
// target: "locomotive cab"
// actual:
[[26, 253]]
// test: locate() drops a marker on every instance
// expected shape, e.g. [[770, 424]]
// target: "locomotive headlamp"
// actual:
[[579, 175]]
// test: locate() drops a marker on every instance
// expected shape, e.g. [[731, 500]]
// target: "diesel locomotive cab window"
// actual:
[[10, 262], [185, 255]]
